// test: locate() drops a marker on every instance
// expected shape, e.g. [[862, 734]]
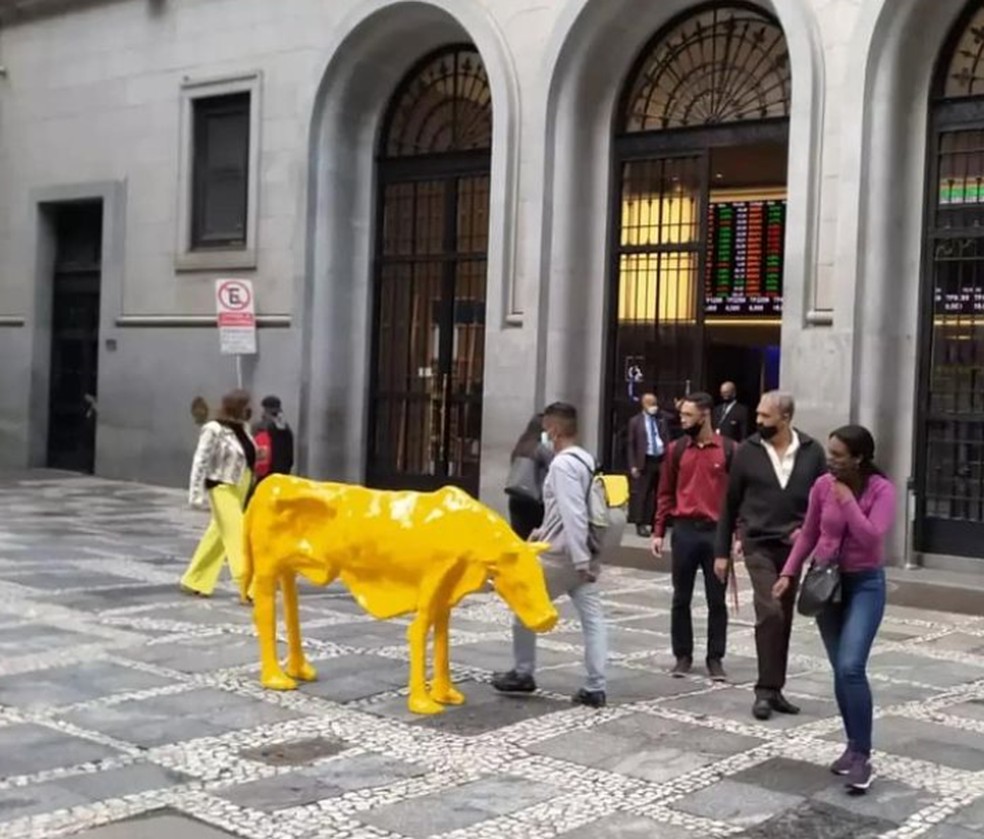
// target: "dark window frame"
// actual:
[[203, 176]]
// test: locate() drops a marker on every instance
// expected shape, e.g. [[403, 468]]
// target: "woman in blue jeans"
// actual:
[[850, 513]]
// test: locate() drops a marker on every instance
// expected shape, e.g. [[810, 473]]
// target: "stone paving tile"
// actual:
[[203, 712], [344, 774], [89, 788], [27, 748], [459, 807], [160, 716], [74, 683], [157, 827], [627, 826]]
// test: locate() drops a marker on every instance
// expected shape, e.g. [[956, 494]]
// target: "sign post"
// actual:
[[236, 309]]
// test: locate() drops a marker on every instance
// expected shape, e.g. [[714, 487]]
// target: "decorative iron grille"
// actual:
[[965, 72], [725, 64], [445, 105]]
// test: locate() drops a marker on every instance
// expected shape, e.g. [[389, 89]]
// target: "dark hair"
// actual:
[[704, 401], [861, 445], [529, 439], [566, 415], [235, 406]]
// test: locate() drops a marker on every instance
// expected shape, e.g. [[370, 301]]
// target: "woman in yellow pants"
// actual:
[[221, 477]]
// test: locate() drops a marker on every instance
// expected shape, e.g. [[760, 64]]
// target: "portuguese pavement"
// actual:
[[129, 711]]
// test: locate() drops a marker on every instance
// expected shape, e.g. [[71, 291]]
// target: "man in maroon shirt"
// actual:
[[691, 491]]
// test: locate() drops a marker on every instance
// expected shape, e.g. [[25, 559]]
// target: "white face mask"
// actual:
[[652, 410], [545, 440]]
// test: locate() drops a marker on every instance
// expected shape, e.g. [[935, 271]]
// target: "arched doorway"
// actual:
[[698, 221], [428, 359], [950, 431]]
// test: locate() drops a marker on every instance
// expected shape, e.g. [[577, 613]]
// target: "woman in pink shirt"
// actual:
[[850, 513]]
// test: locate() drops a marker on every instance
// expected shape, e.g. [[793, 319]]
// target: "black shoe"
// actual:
[[782, 705], [762, 709], [681, 668], [643, 531], [591, 698], [716, 670], [513, 682]]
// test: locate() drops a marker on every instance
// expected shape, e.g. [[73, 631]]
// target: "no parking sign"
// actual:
[[236, 309]]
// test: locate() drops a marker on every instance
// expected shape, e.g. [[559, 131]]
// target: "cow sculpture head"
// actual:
[[518, 579]]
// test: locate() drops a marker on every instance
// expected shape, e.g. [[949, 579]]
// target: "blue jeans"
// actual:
[[848, 631], [561, 578]]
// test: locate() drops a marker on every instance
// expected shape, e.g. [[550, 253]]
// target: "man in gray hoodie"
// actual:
[[570, 566]]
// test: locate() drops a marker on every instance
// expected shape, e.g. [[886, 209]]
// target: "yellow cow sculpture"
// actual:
[[396, 552]]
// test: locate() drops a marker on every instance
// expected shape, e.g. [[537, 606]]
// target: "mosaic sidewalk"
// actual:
[[128, 711]]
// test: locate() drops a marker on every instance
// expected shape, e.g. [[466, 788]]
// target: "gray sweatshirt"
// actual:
[[565, 500]]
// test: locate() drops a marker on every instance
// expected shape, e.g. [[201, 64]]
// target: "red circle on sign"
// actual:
[[245, 298]]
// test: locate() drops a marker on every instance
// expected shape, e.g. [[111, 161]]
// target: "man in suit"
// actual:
[[648, 438], [730, 417]]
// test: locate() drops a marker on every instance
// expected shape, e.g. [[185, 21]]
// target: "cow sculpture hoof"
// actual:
[[424, 705], [447, 696], [303, 672], [278, 681]]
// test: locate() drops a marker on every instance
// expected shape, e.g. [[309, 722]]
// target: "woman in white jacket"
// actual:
[[221, 477]]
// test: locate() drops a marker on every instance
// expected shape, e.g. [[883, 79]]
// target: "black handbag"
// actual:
[[821, 588], [523, 481]]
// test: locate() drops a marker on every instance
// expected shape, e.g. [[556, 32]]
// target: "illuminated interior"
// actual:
[[661, 286]]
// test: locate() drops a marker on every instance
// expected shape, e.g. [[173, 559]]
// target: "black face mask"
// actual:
[[693, 431], [767, 432]]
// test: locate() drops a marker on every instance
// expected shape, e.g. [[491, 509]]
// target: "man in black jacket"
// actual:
[[768, 492], [731, 417]]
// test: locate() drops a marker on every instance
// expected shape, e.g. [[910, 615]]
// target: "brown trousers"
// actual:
[[773, 620]]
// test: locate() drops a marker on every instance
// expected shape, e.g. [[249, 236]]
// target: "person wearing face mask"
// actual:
[[691, 490], [274, 441], [647, 440], [731, 417], [851, 512], [571, 566], [768, 492]]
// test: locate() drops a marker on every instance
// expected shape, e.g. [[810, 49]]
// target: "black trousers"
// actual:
[[773, 620], [525, 516], [693, 549], [642, 497]]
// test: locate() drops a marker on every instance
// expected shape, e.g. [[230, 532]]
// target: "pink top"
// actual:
[[865, 521]]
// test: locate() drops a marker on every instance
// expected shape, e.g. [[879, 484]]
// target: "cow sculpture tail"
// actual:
[[246, 580]]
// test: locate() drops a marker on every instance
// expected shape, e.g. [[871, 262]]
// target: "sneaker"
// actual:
[[860, 775], [843, 764], [716, 671], [591, 698], [681, 668], [513, 682]]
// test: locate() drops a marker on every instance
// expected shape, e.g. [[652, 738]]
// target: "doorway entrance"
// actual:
[[950, 415], [431, 264], [74, 336], [699, 220]]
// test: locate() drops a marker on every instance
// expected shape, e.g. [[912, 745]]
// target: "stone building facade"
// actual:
[[448, 211]]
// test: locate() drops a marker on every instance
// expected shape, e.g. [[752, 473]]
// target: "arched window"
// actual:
[[722, 65], [445, 106], [430, 270], [950, 421], [701, 141]]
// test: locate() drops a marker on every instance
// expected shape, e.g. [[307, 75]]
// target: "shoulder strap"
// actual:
[[591, 472]]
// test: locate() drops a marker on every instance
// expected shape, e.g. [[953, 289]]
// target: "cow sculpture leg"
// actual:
[[442, 689], [265, 617], [298, 667]]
